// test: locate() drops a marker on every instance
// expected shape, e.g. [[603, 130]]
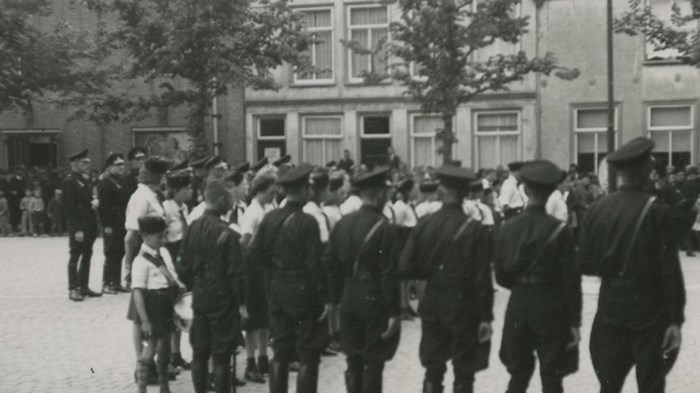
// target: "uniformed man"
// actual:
[[449, 249], [534, 258], [216, 167], [79, 205], [289, 244], [113, 194], [319, 181], [627, 240], [362, 260], [512, 198], [211, 266]]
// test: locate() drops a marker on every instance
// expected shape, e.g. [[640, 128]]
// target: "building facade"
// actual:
[[46, 135], [315, 116]]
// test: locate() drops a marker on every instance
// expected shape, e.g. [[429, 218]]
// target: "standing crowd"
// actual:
[[313, 260]]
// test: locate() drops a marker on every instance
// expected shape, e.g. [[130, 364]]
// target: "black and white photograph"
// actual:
[[350, 196]]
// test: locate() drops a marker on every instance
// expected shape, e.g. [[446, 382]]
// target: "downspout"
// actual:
[[538, 85]]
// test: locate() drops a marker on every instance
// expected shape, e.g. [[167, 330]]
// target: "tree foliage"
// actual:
[[35, 60], [665, 34], [191, 50], [439, 40]]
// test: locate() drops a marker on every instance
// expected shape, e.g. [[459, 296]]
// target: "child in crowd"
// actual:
[[155, 286], [5, 228], [24, 207], [55, 212], [36, 207]]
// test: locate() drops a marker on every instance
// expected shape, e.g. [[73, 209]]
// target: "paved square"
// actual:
[[49, 344]]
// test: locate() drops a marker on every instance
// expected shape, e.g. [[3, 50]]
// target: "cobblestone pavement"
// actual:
[[49, 344]]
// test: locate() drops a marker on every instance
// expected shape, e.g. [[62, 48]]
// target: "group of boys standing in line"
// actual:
[[316, 255]]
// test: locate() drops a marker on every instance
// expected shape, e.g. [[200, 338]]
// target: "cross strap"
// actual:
[[546, 244], [365, 241], [635, 234], [160, 265]]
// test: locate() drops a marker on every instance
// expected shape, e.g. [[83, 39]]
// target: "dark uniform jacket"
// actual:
[[114, 195], [635, 292], [211, 265], [77, 204], [458, 270], [288, 242], [521, 242], [377, 266]]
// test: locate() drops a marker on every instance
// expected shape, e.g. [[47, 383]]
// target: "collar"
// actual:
[[148, 250]]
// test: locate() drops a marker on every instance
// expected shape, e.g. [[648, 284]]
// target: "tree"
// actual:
[[35, 62], [665, 34], [439, 38], [192, 50]]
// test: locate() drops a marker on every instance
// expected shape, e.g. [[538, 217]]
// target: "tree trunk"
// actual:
[[197, 124], [447, 138]]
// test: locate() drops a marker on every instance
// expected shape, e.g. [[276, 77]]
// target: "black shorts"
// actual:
[[159, 307]]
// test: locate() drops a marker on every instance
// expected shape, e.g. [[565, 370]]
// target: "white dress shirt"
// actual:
[[556, 206], [175, 219], [252, 217], [512, 195], [315, 210], [143, 202], [333, 214], [352, 204], [405, 216]]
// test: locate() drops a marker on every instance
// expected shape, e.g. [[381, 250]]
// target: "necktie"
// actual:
[[183, 219]]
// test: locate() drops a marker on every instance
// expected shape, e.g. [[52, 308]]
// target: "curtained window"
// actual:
[[671, 127], [322, 139], [497, 137], [424, 145], [369, 27], [319, 22], [590, 128]]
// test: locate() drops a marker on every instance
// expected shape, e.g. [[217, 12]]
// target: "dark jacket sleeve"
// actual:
[[183, 264], [70, 204], [332, 265], [313, 250], [259, 252], [482, 273], [500, 254], [390, 269], [583, 254], [408, 268], [671, 275], [105, 194], [571, 280], [237, 271]]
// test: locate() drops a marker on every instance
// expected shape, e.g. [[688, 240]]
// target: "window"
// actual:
[[369, 27], [499, 47], [671, 127], [31, 147], [271, 137], [376, 139], [663, 10], [322, 138], [497, 138], [591, 141], [319, 22], [423, 141]]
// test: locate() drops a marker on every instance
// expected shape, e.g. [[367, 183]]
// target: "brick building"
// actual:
[[315, 116]]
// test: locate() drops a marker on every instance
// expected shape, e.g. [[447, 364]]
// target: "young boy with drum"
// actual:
[[155, 286]]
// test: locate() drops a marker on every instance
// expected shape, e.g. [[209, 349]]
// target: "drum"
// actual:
[[183, 312]]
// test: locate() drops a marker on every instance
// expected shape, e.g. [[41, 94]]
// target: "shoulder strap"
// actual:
[[546, 244], [635, 233], [160, 265], [461, 230], [366, 240]]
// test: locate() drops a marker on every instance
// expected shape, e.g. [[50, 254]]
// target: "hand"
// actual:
[[485, 332], [95, 203], [79, 236], [243, 312], [672, 340], [575, 339], [147, 330], [327, 312], [108, 231], [393, 327]]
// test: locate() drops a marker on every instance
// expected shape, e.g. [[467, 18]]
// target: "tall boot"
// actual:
[[222, 378], [463, 389], [163, 378], [142, 374], [353, 382], [307, 378], [279, 375], [432, 387], [372, 382]]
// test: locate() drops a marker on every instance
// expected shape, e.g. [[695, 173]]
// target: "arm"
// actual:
[[583, 254], [70, 205], [183, 264], [332, 265], [140, 304], [313, 249], [407, 267], [500, 256], [131, 246], [482, 274], [389, 269], [671, 275], [236, 267], [571, 280], [104, 196]]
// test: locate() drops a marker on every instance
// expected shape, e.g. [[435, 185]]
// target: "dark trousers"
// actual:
[[79, 262], [615, 349], [443, 341], [114, 253]]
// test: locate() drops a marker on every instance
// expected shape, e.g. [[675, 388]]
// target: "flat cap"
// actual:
[[631, 153], [199, 162], [285, 159], [150, 225], [185, 164], [331, 164], [243, 168], [455, 177], [516, 165], [373, 179], [78, 155], [259, 165], [541, 172], [178, 179], [296, 176]]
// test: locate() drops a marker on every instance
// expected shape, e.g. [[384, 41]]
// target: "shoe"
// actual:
[[253, 375], [87, 292], [293, 367], [109, 290], [178, 362], [263, 365], [121, 289], [690, 254], [75, 295]]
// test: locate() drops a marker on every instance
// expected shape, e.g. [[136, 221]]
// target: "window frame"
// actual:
[[477, 134], [596, 131], [368, 28], [671, 129], [374, 136], [314, 81], [322, 137], [259, 137]]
